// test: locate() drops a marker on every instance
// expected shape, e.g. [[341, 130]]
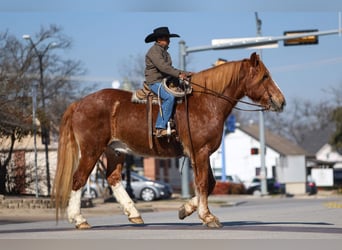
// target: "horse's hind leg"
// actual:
[[115, 162], [86, 165]]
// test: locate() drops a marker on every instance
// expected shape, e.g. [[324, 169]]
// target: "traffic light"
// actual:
[[306, 40], [254, 151]]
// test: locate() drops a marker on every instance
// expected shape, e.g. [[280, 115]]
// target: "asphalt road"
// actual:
[[242, 218]]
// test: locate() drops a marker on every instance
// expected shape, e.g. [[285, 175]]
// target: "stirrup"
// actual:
[[163, 132]]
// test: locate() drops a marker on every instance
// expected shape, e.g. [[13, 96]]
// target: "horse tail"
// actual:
[[67, 162]]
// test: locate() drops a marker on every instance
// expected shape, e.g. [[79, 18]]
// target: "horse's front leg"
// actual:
[[114, 167], [205, 184], [203, 211], [191, 206], [188, 208]]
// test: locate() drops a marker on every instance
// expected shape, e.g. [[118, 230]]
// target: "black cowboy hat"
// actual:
[[159, 32]]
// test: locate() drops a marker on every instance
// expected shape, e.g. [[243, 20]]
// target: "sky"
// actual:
[[106, 33]]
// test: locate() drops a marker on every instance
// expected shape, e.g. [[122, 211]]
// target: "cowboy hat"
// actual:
[[159, 32]]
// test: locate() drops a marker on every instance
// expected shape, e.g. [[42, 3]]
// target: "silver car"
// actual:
[[148, 190], [143, 188]]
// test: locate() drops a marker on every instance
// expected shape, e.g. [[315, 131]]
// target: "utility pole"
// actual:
[[184, 161], [263, 171], [34, 108], [45, 130]]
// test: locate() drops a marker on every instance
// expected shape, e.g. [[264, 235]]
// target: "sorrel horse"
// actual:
[[108, 122]]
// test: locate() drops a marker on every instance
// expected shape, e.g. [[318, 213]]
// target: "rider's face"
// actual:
[[164, 40]]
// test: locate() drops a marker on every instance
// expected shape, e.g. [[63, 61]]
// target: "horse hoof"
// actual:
[[181, 212], [136, 220], [214, 224], [83, 225]]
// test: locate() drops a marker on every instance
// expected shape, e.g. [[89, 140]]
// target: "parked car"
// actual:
[[95, 188], [148, 190], [143, 188], [254, 187]]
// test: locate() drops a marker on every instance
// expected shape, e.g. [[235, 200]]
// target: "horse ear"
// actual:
[[254, 59]]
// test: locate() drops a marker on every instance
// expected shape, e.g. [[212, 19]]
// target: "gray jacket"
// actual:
[[159, 65]]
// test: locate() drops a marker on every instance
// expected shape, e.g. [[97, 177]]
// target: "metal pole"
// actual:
[[45, 130], [184, 161], [263, 173], [223, 149], [34, 106], [339, 23], [44, 125]]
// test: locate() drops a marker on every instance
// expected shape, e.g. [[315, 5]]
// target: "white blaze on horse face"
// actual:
[[125, 201], [74, 208], [276, 84]]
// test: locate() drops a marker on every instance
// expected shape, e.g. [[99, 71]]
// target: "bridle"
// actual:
[[229, 99]]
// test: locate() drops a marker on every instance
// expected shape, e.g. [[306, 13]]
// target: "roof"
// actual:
[[274, 141], [313, 141]]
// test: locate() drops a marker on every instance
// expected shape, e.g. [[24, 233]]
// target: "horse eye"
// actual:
[[265, 77]]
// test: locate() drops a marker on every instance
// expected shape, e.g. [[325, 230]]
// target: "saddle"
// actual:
[[145, 95], [177, 89]]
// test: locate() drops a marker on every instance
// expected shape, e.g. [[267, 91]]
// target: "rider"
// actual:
[[159, 66]]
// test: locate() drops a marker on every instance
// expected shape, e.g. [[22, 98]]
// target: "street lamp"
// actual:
[[44, 125]]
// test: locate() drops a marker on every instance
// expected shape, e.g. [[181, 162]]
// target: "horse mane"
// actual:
[[212, 78]]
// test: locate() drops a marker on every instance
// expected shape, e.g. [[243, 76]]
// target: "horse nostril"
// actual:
[[283, 105]]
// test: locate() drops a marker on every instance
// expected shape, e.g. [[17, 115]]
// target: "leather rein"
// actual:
[[227, 98]]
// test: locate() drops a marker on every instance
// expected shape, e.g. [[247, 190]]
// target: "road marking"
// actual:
[[333, 204]]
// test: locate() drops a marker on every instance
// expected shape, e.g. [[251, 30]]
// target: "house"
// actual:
[[25, 177], [284, 160], [326, 165]]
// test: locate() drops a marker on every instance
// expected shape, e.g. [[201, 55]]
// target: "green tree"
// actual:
[[336, 138]]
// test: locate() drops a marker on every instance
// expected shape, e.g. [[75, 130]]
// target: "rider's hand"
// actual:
[[182, 76], [185, 76]]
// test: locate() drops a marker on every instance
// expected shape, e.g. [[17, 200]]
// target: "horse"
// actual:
[[108, 122]]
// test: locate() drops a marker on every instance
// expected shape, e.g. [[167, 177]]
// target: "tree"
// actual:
[[299, 119], [336, 138], [14, 98], [132, 70], [19, 70]]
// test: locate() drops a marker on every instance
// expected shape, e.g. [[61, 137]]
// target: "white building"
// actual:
[[284, 160], [325, 167]]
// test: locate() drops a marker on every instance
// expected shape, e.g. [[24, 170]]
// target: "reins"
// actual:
[[226, 98]]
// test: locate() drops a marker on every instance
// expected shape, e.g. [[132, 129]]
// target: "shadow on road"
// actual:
[[300, 227]]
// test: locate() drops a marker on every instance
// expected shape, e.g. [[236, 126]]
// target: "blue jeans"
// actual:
[[168, 101]]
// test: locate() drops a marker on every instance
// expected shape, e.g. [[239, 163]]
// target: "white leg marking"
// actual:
[[191, 205], [74, 208], [125, 201]]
